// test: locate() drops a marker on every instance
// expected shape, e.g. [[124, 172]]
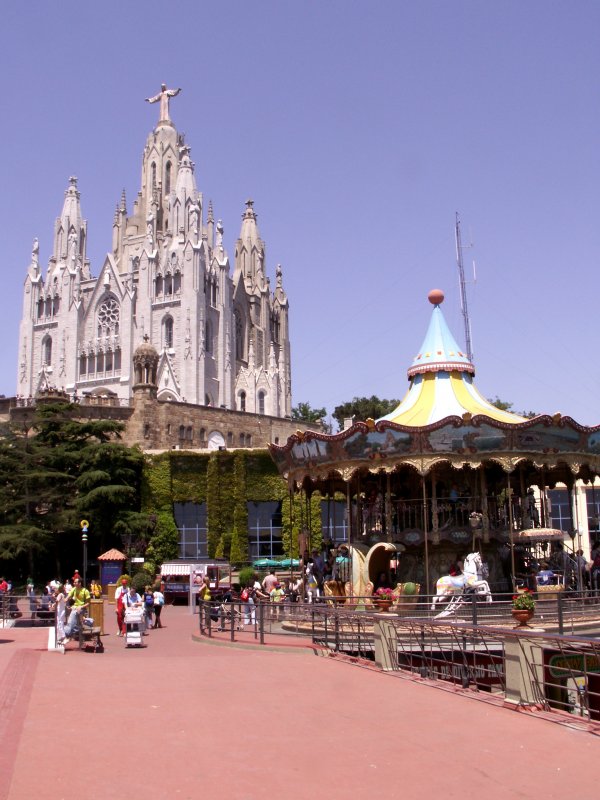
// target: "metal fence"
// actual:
[[479, 649]]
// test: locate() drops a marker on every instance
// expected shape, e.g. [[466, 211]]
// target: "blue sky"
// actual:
[[359, 129]]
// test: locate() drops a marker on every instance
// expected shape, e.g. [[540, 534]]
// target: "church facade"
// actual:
[[221, 330]]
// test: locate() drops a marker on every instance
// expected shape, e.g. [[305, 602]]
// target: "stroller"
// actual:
[[226, 614]]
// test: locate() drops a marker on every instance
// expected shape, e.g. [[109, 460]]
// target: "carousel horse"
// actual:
[[471, 580], [312, 585]]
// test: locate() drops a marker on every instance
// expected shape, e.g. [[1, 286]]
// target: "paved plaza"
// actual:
[[183, 718]]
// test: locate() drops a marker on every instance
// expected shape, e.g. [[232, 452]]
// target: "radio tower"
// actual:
[[463, 290]]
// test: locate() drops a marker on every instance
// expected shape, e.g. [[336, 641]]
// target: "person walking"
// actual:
[[159, 601], [120, 594]]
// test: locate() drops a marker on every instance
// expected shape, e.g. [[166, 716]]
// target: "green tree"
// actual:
[[59, 471], [503, 405], [304, 413], [363, 408]]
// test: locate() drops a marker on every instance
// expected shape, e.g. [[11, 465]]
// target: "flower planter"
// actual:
[[383, 604], [522, 616]]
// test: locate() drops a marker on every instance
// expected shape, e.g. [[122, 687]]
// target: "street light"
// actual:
[[84, 539]]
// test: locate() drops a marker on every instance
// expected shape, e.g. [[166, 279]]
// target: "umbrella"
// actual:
[[289, 562], [264, 563]]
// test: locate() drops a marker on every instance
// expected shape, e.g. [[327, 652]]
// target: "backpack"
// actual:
[[245, 595]]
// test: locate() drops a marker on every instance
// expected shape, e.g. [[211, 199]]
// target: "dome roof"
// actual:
[[145, 350]]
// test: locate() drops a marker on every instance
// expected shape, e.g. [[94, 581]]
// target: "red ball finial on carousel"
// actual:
[[436, 297]]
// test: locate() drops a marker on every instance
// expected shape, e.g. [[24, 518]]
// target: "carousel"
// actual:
[[444, 474]]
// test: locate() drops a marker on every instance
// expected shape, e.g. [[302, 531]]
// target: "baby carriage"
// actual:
[[226, 614]]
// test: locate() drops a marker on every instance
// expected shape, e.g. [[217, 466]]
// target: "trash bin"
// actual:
[[111, 588], [97, 614]]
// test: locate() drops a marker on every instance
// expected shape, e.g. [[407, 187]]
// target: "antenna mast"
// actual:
[[463, 290]]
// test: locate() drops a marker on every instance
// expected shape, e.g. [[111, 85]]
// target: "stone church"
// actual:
[[222, 338]]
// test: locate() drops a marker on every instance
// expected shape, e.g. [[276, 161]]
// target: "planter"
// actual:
[[382, 603], [522, 616]]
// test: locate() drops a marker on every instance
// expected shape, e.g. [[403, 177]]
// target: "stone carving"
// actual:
[[163, 98]]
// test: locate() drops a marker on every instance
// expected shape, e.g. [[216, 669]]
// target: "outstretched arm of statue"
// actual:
[[173, 92], [154, 99]]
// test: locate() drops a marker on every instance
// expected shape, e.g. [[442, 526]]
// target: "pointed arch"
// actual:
[[167, 332], [168, 177], [47, 351]]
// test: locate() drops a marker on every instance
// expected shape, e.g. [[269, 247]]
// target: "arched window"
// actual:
[[261, 402], [168, 333], [82, 364], [230, 439], [242, 439], [108, 317], [248, 440], [100, 362], [40, 308], [189, 434], [146, 430], [117, 359], [182, 431], [177, 283], [108, 361], [55, 305], [203, 437], [159, 286], [168, 284], [242, 401], [239, 336], [153, 172], [48, 307], [47, 351], [208, 337], [168, 178]]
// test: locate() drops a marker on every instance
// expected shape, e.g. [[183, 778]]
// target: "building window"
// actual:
[[47, 351], [261, 402], [153, 173], [108, 361], [242, 401], [168, 333], [177, 283], [100, 362], [230, 439], [560, 509], [146, 430], [82, 364], [40, 308], [239, 336], [208, 337], [189, 434], [168, 285], [182, 431], [242, 439], [248, 440], [108, 317], [168, 178], [202, 437], [158, 286]]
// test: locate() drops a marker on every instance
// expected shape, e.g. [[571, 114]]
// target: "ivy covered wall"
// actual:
[[225, 480]]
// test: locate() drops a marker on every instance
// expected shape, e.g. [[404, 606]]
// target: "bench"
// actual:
[[89, 638]]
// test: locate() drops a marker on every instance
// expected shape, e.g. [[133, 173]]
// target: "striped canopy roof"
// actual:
[[441, 380]]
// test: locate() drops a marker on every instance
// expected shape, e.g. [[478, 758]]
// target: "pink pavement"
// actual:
[[185, 719]]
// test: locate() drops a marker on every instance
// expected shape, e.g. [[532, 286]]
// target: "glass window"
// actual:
[[560, 510], [190, 519]]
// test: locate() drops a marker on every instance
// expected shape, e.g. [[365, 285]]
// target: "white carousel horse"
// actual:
[[471, 580], [312, 586]]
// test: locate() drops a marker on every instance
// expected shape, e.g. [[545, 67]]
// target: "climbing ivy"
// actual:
[[239, 540]]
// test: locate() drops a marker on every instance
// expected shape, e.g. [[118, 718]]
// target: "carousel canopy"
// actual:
[[443, 419], [441, 380]]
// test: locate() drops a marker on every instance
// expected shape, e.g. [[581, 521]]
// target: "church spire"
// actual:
[[70, 230]]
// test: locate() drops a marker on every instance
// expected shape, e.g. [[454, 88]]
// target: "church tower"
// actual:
[[221, 340]]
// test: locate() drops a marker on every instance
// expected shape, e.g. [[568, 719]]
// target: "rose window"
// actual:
[[108, 317]]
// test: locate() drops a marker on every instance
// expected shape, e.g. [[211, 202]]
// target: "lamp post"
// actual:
[[84, 539]]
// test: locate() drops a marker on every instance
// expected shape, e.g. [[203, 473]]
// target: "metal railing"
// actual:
[[479, 649]]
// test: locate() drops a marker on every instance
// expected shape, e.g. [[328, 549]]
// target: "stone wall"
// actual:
[[160, 425]]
